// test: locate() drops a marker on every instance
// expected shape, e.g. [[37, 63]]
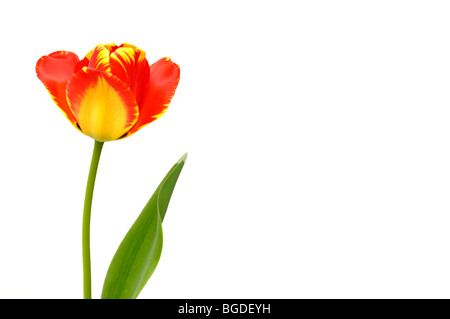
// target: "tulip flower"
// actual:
[[111, 93], [108, 95]]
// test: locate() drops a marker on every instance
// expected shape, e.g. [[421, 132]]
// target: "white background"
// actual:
[[318, 137]]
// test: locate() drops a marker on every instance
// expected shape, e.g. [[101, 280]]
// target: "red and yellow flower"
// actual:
[[111, 93]]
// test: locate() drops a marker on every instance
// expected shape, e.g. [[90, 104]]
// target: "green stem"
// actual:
[[87, 219]]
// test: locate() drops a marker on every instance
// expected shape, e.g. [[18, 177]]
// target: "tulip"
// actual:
[[111, 93]]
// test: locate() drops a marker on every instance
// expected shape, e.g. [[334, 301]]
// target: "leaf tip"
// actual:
[[183, 158]]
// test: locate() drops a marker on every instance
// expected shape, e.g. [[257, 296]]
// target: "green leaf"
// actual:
[[140, 250]]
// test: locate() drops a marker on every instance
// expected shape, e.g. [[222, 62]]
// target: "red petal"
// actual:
[[100, 59], [164, 78], [54, 71], [129, 65], [80, 65], [103, 105], [111, 47]]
